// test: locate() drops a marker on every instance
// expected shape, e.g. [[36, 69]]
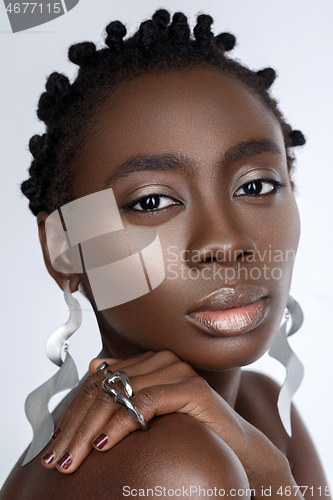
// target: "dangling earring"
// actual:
[[281, 350], [36, 404]]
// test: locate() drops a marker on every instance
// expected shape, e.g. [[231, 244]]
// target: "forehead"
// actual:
[[197, 112]]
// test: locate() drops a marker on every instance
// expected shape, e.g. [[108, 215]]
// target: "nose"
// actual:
[[218, 236]]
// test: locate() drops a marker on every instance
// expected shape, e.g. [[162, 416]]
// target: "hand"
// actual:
[[162, 384]]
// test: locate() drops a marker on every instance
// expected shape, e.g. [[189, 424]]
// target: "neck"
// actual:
[[225, 383]]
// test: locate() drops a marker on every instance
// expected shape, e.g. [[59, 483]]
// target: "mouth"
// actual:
[[231, 311]]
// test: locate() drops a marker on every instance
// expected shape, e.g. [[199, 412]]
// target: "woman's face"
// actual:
[[225, 215]]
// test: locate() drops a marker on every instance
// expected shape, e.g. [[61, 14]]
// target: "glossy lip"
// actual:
[[231, 311]]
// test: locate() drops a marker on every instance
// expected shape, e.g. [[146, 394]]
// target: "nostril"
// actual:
[[210, 258], [244, 256]]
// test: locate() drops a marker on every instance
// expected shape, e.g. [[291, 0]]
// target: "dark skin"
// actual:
[[199, 116]]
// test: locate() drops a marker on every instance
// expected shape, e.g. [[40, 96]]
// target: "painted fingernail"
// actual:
[[101, 441], [56, 433], [65, 461], [48, 457]]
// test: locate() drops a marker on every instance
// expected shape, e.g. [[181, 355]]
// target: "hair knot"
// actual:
[[179, 30], [147, 35], [225, 41], [32, 188], [39, 146], [202, 31], [36, 169], [161, 18], [297, 138], [266, 77], [82, 53], [57, 85], [115, 34], [46, 110]]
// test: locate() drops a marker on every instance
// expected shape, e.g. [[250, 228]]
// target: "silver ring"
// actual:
[[123, 399], [117, 377], [102, 366], [132, 410]]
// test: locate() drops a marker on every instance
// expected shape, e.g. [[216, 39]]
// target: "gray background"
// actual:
[[296, 39]]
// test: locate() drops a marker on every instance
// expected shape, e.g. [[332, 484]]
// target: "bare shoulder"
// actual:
[[177, 452], [182, 451], [260, 381], [257, 403]]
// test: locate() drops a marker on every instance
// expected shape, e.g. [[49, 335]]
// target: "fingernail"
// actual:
[[101, 441], [56, 433], [65, 461], [48, 457]]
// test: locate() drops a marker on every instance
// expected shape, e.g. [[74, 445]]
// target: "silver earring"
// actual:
[[281, 350], [36, 404]]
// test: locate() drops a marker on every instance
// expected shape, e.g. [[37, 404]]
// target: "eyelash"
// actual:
[[129, 206], [277, 186]]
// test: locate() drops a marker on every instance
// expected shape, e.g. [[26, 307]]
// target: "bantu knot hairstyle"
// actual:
[[297, 138], [115, 34], [225, 41], [179, 30], [162, 18], [266, 77], [202, 31], [82, 53], [160, 44]]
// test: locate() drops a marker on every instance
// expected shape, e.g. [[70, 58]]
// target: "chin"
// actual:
[[220, 354]]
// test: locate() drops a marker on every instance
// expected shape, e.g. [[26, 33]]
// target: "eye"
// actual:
[[151, 202], [259, 187]]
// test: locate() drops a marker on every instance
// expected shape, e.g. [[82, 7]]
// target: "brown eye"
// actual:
[[153, 202], [259, 187]]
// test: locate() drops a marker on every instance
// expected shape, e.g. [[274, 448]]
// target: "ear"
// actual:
[[60, 278]]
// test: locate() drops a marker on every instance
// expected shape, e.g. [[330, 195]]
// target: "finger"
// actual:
[[116, 364], [166, 375], [146, 363], [151, 401], [156, 371], [80, 405], [94, 377], [96, 362], [102, 410], [91, 379], [79, 432], [72, 419]]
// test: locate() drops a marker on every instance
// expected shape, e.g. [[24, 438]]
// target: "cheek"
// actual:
[[276, 232], [151, 321], [277, 242]]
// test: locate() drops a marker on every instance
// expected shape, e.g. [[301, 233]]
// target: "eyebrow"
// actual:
[[170, 161], [160, 162], [249, 149]]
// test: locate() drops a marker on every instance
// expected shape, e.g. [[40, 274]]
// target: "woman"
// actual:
[[194, 146]]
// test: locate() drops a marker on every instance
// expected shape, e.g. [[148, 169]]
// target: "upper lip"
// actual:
[[229, 297]]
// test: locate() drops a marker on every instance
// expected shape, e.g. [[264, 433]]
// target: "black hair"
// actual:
[[69, 109]]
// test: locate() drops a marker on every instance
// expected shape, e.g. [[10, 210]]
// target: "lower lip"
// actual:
[[230, 322]]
